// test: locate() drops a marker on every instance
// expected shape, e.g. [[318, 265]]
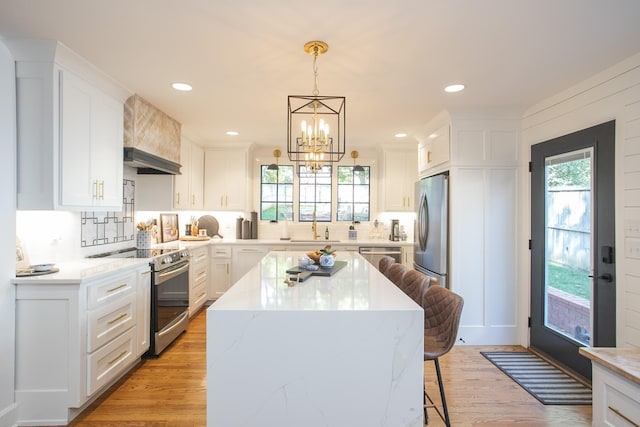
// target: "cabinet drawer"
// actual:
[[110, 361], [105, 291], [198, 295], [106, 323], [621, 409], [221, 252], [199, 255]]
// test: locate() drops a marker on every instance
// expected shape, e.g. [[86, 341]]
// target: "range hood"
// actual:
[[151, 138], [148, 163]]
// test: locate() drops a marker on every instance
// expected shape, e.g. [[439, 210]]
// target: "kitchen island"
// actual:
[[345, 350]]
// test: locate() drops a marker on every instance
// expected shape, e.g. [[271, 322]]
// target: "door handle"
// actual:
[[606, 277]]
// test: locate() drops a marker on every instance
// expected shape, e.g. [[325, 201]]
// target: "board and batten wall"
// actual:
[[613, 94]]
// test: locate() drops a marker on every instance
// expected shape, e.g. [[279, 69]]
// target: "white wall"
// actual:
[[8, 412], [612, 94]]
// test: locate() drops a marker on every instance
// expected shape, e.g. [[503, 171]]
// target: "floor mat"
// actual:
[[542, 380]]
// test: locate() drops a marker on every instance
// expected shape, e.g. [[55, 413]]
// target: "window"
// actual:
[[315, 194], [353, 194], [276, 193]]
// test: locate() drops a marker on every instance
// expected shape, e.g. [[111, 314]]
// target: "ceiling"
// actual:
[[391, 59]]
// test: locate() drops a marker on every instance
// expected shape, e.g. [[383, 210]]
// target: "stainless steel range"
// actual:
[[169, 292]]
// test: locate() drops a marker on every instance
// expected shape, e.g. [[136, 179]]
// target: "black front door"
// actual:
[[572, 245]]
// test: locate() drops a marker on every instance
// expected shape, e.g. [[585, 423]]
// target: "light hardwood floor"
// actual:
[[171, 391]]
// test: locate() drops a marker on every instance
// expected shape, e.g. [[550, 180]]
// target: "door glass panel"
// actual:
[[568, 259]]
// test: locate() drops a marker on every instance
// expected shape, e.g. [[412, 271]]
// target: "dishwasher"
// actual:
[[373, 254]]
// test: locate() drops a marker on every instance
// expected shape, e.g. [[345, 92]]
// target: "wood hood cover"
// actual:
[[151, 138]]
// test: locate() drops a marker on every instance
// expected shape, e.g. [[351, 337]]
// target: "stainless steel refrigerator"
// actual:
[[431, 247]]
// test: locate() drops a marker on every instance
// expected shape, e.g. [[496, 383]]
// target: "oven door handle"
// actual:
[[164, 276]]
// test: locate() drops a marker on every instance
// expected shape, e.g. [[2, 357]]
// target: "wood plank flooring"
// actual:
[[171, 391]]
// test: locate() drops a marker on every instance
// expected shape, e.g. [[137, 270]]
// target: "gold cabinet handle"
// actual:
[[621, 415], [429, 156], [112, 321], [193, 199], [178, 198], [117, 287], [118, 357], [95, 189], [101, 190]]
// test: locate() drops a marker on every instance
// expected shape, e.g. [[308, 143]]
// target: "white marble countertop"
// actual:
[[357, 286], [74, 272], [291, 243]]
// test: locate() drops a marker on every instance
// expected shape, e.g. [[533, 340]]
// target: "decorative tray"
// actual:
[[324, 272], [194, 238], [31, 272]]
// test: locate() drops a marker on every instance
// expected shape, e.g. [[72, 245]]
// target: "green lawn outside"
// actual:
[[569, 280]]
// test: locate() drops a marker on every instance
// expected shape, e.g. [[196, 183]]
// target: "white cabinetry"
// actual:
[[189, 186], [144, 310], [434, 151], [399, 175], [70, 130], [198, 278], [407, 256], [227, 179], [483, 209], [244, 259], [73, 340], [219, 271]]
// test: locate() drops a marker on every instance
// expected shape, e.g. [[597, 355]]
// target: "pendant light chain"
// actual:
[[316, 92]]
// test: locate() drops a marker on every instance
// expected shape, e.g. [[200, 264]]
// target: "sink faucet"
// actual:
[[314, 227]]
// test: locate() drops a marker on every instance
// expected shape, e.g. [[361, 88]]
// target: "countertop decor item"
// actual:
[[37, 270], [210, 224], [169, 227], [316, 134]]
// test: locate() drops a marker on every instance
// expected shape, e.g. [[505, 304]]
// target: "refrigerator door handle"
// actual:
[[423, 223]]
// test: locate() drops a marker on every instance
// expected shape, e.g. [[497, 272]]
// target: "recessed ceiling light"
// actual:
[[182, 87], [232, 133], [454, 88], [400, 135]]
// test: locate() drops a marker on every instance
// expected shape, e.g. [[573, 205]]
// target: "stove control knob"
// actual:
[[166, 260]]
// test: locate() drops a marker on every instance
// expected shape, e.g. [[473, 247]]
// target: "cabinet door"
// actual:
[[196, 177], [220, 280], [107, 137], [143, 296], [91, 138], [400, 174], [181, 182], [76, 186], [226, 176]]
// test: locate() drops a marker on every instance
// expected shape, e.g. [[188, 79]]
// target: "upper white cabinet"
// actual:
[[399, 175], [189, 186], [227, 179], [70, 130], [434, 151]]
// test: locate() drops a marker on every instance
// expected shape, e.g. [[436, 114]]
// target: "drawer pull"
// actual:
[[621, 415], [118, 357], [112, 321], [117, 287]]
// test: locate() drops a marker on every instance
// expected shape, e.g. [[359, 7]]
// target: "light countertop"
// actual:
[[356, 287], [74, 272], [623, 361]]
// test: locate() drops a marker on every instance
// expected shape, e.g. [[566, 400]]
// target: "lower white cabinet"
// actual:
[[198, 278], [244, 258], [74, 339], [219, 271], [616, 400]]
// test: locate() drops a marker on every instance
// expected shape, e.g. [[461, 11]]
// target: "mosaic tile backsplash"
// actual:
[[102, 228]]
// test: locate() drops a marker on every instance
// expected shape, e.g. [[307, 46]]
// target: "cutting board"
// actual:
[[323, 272], [194, 238]]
